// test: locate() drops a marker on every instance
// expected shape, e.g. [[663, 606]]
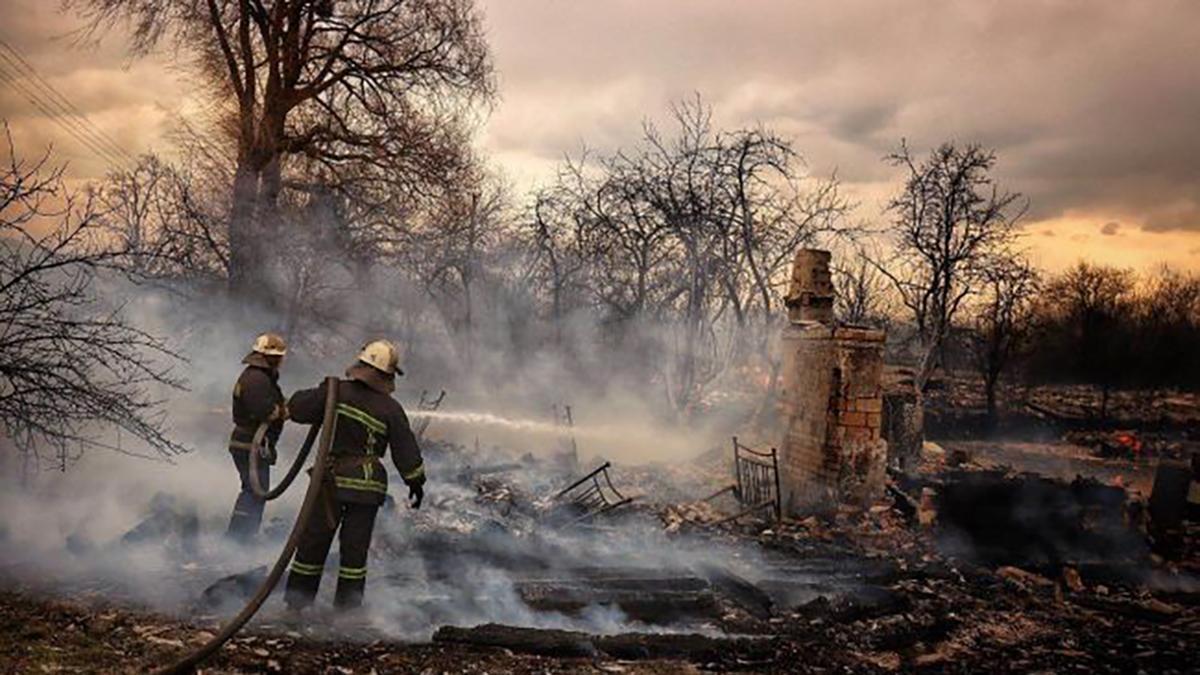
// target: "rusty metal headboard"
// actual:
[[757, 478], [592, 495]]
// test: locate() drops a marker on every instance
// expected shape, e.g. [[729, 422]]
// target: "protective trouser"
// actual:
[[356, 522], [248, 509]]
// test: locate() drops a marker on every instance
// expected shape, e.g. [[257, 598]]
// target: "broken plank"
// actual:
[[628, 646], [643, 605]]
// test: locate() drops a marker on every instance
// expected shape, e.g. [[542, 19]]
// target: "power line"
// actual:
[[63, 123], [43, 107], [63, 102]]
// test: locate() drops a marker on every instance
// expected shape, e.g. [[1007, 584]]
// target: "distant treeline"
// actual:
[[1116, 329], [1098, 325]]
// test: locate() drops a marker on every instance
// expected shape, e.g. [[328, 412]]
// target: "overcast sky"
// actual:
[[1092, 106]]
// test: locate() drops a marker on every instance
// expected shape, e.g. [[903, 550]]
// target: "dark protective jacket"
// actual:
[[255, 397], [369, 420]]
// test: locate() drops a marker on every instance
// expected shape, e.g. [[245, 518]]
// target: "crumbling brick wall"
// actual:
[[859, 420], [903, 427]]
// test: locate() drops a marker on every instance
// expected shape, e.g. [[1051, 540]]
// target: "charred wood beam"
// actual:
[[856, 604], [628, 646], [651, 606], [652, 584], [742, 592], [1153, 611]]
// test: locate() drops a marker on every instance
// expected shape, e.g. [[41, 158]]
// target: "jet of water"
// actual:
[[491, 419]]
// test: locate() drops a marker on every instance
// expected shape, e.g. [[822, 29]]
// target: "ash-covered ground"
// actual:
[[974, 565]]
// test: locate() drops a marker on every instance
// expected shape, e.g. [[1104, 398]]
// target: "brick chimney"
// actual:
[[831, 400]]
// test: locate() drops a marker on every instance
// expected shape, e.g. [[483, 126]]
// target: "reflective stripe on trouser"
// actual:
[[354, 525], [248, 509]]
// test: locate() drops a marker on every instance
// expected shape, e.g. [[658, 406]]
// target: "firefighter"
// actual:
[[256, 399], [369, 421]]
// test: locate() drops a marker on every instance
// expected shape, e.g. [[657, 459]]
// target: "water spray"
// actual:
[[492, 419]]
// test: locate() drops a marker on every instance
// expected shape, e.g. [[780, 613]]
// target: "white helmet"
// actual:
[[270, 344], [382, 356]]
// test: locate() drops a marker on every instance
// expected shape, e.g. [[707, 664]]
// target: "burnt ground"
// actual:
[[55, 635], [1074, 587], [910, 610], [921, 615]]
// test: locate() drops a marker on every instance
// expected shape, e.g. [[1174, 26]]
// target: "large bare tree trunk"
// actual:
[[243, 235]]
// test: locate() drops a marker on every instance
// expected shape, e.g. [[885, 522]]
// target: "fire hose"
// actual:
[[316, 484], [256, 447]]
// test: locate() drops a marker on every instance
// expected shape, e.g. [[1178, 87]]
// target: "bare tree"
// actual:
[[361, 95], [951, 223], [1002, 322], [1109, 328], [1167, 311], [863, 295], [558, 238], [449, 253], [69, 365], [690, 232], [168, 221], [1086, 314]]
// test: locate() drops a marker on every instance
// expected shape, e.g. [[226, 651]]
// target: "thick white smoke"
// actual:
[[66, 532]]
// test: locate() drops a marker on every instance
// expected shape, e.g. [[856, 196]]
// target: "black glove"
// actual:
[[416, 492], [268, 453]]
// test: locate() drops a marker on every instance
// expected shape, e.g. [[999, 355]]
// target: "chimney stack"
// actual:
[[831, 400]]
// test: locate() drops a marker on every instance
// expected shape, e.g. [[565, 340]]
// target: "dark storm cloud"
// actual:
[[1092, 106]]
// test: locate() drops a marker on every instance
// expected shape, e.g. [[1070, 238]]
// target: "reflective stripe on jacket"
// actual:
[[256, 395], [368, 423]]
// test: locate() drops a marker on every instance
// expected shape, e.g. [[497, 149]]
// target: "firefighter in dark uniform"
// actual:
[[256, 399], [369, 421]]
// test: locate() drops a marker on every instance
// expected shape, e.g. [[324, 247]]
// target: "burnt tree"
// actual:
[[681, 244], [364, 95], [950, 223], [1001, 323], [167, 221], [862, 295], [1086, 317]]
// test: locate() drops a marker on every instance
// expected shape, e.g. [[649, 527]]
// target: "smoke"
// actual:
[[118, 529], [150, 533]]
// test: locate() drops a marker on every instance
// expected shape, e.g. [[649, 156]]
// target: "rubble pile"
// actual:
[[955, 408], [882, 588], [997, 519], [1136, 446]]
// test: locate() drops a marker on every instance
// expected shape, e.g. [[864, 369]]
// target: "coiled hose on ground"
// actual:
[[188, 663]]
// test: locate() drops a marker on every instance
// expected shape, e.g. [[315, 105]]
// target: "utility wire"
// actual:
[[63, 103], [42, 106], [46, 109]]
